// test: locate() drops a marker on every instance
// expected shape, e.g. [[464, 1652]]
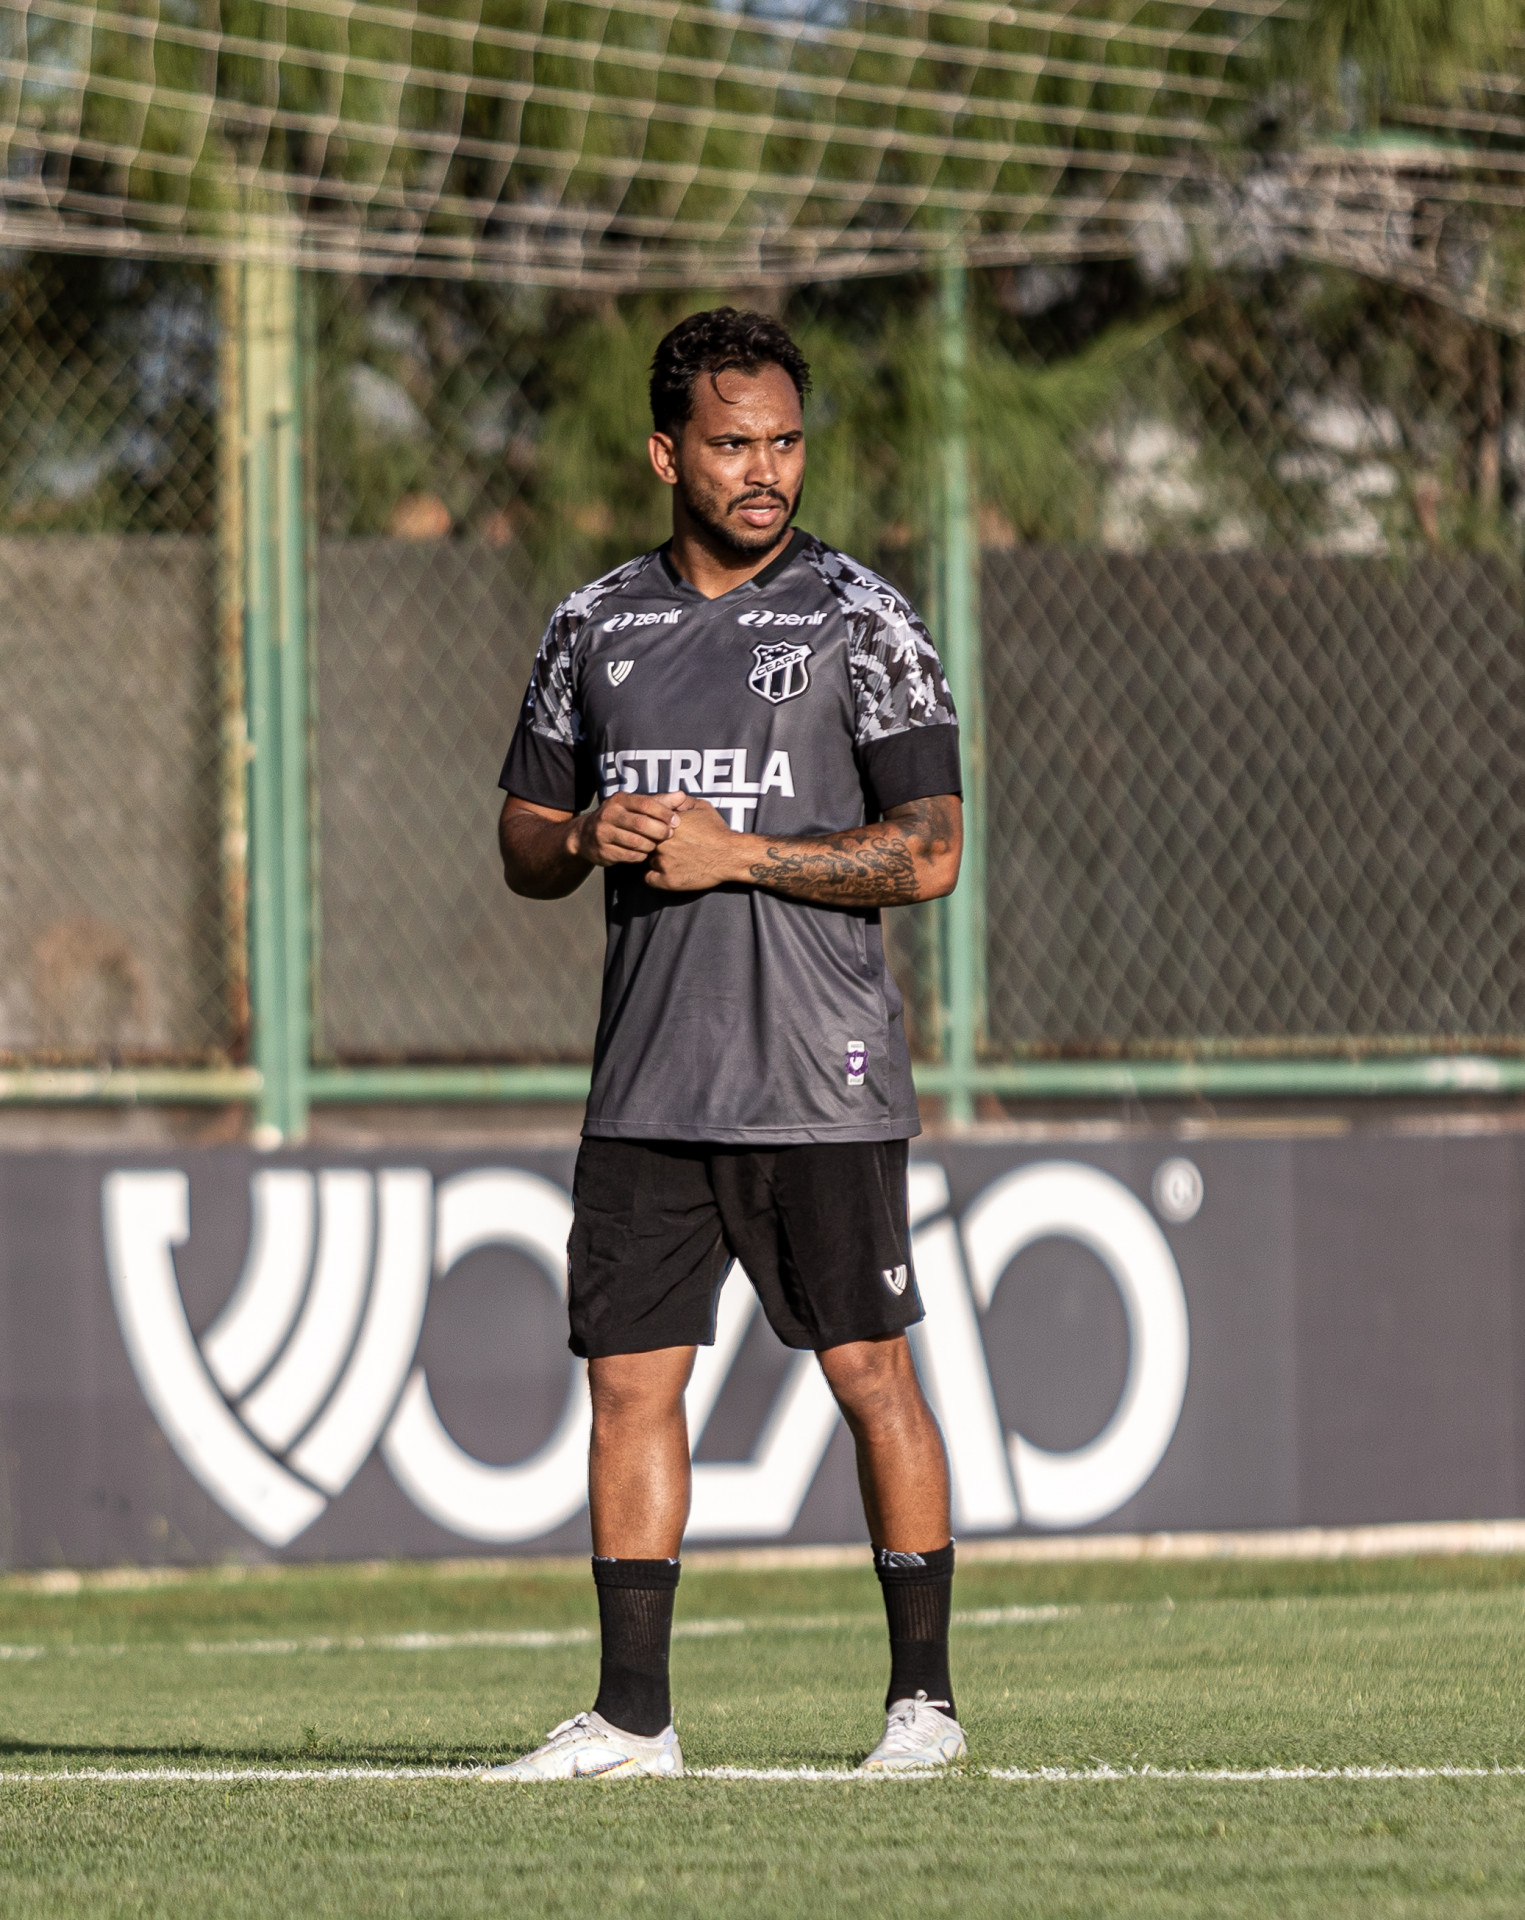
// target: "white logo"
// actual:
[[1177, 1191], [277, 1405], [623, 622], [618, 671], [765, 617], [719, 774], [857, 1061], [779, 672], [1065, 1200]]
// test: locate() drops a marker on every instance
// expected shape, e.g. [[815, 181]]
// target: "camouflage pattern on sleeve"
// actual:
[[550, 701], [898, 679]]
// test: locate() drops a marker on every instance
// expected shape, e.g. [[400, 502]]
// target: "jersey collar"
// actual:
[[759, 581]]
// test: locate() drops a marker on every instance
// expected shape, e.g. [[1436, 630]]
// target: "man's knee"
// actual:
[[874, 1380], [635, 1388]]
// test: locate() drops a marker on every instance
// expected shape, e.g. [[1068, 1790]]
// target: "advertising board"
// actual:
[[328, 1355]]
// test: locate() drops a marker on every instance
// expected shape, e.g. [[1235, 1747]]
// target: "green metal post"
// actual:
[[276, 638], [958, 594]]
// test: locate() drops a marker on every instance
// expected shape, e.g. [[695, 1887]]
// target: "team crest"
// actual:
[[857, 1061], [780, 672], [619, 671]]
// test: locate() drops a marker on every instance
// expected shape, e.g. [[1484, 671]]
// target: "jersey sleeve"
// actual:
[[546, 763], [906, 729]]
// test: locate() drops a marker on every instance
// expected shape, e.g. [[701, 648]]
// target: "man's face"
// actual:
[[738, 461]]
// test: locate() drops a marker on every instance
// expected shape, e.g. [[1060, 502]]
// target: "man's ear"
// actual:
[[663, 453]]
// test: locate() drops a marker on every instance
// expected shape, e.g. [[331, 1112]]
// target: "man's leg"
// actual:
[[639, 1484], [903, 1474], [638, 1493], [902, 1465]]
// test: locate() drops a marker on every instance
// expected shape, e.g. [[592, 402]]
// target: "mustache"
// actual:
[[757, 493]]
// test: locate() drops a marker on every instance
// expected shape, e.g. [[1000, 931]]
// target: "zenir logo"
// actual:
[[765, 617], [623, 622]]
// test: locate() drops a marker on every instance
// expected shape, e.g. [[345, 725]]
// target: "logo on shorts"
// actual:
[[619, 671], [895, 1279], [780, 672], [857, 1060]]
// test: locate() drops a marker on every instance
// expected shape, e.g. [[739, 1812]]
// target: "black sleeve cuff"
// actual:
[[909, 766], [548, 772]]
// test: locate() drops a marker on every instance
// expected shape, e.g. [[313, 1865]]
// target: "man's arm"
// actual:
[[548, 854], [911, 854]]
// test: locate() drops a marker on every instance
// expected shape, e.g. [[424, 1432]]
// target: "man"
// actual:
[[768, 734]]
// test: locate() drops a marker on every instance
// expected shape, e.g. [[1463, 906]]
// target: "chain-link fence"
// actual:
[[113, 930], [1251, 627]]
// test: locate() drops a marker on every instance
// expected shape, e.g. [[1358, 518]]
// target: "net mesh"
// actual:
[[1252, 639], [664, 143], [657, 141], [1251, 619], [1248, 449], [112, 913], [1245, 802]]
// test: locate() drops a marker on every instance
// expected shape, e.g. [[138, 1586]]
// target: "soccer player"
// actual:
[[766, 731]]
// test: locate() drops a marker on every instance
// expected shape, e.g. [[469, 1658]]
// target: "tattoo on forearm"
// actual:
[[876, 872], [876, 866]]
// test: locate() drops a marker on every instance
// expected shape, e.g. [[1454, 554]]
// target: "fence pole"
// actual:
[[232, 703], [276, 639], [958, 584]]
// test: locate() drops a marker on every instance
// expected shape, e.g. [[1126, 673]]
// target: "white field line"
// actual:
[[1059, 1776], [807, 1776], [530, 1638]]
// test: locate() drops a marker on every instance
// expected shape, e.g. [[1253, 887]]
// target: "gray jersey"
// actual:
[[806, 701]]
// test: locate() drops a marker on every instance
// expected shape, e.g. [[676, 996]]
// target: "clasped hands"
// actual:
[[681, 839]]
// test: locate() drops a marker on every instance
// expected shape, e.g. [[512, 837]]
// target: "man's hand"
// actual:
[[548, 854], [700, 852], [626, 829], [911, 854], [686, 847]]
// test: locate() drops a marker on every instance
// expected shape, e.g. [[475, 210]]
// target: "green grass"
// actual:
[[1219, 1665]]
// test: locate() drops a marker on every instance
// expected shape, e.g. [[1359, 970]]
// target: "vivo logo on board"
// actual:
[[313, 1361]]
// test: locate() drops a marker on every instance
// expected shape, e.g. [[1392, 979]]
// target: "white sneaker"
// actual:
[[587, 1747], [916, 1734]]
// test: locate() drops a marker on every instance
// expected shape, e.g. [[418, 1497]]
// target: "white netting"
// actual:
[[654, 142]]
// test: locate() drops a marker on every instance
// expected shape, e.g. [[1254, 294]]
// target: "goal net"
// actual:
[[646, 142], [675, 143]]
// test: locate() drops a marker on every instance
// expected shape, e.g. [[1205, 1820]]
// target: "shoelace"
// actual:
[[900, 1733], [572, 1729]]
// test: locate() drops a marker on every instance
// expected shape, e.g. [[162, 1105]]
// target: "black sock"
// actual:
[[918, 1598], [635, 1600]]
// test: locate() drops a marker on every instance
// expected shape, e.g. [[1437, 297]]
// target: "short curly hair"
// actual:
[[709, 343]]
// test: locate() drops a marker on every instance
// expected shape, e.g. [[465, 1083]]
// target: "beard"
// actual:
[[708, 508]]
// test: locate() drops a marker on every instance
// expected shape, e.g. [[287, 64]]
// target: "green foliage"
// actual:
[[874, 420], [1395, 51], [1030, 427], [107, 397], [595, 499], [456, 362], [716, 117]]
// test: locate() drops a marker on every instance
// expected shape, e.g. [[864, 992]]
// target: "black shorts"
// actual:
[[820, 1230]]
